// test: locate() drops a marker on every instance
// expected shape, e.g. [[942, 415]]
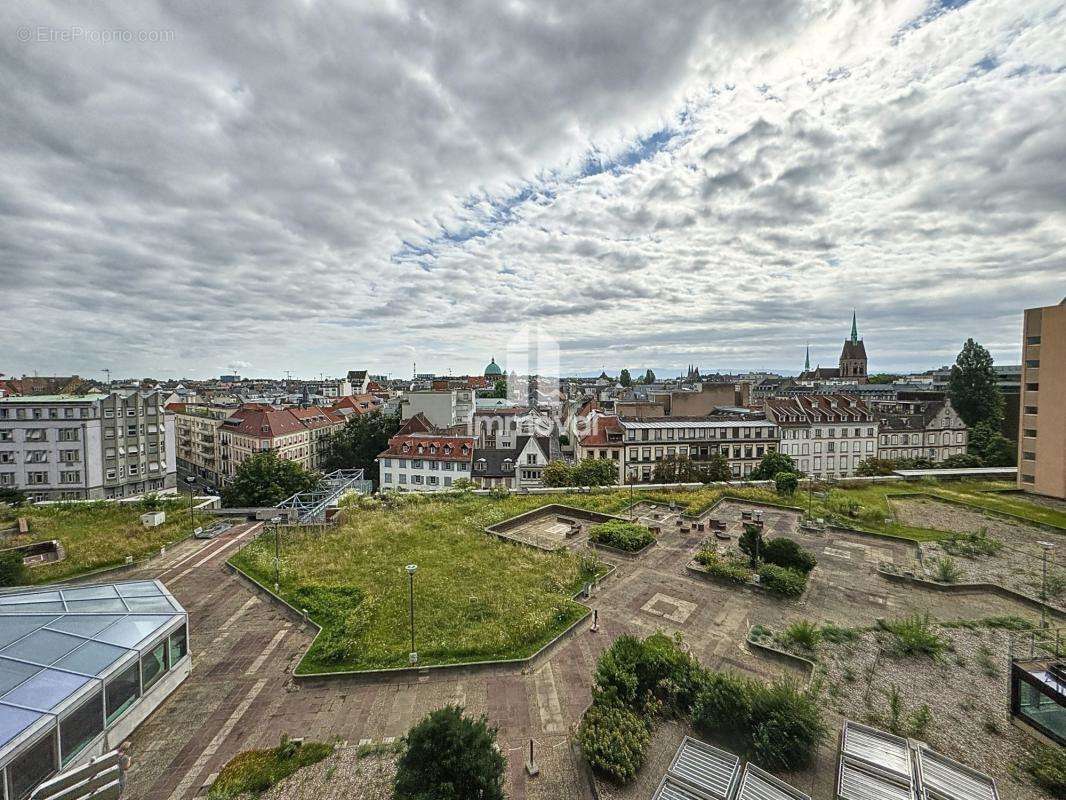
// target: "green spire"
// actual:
[[854, 328], [807, 361]]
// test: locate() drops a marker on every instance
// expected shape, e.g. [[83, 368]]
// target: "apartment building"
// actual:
[[321, 425], [196, 430], [425, 461], [828, 436], [1042, 429], [291, 433], [442, 409], [930, 430], [604, 438], [87, 447], [742, 439]]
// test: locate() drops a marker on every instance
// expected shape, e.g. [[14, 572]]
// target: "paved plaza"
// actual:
[[240, 694]]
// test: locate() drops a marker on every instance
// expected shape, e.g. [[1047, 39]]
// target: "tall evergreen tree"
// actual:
[[625, 378], [649, 377], [972, 388]]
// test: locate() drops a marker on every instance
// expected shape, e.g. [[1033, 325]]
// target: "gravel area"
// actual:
[[966, 692], [342, 776], [1017, 565]]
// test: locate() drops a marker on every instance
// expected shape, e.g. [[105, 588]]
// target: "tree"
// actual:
[[357, 444], [12, 497], [786, 483], [594, 472], [266, 480], [717, 469], [677, 469], [751, 542], [557, 473], [12, 568], [771, 464], [450, 756], [873, 467], [972, 387], [990, 446], [963, 461], [625, 378], [883, 377], [649, 376], [499, 389]]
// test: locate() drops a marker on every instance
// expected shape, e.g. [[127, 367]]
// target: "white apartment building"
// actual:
[[828, 436], [425, 462], [87, 447], [931, 430], [743, 440], [442, 409]]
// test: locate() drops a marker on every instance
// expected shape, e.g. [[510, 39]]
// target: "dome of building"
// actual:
[[493, 368]]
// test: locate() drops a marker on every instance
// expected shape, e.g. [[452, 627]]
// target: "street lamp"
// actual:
[[191, 481], [411, 569], [276, 521], [1047, 546]]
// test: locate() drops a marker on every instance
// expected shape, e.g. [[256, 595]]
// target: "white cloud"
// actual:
[[325, 186]]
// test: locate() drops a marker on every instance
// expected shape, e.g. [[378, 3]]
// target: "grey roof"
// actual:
[[941, 778], [858, 781], [709, 769], [57, 645], [494, 458], [670, 788], [757, 784]]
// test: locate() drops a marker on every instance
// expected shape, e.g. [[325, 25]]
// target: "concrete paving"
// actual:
[[240, 694]]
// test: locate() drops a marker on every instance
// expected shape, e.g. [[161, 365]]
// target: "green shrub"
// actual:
[[751, 542], [787, 553], [255, 771], [838, 635], [12, 497], [729, 570], [13, 571], [786, 483], [622, 535], [1047, 765], [450, 756], [723, 705], [971, 545], [782, 581], [614, 740], [787, 726], [946, 570], [803, 633], [642, 675], [914, 636]]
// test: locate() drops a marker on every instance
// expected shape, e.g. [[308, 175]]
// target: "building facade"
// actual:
[[258, 429], [605, 438], [87, 447], [742, 440], [425, 462], [930, 430], [1042, 426], [828, 436], [196, 430]]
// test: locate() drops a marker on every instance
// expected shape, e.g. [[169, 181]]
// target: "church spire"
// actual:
[[807, 360], [854, 328]]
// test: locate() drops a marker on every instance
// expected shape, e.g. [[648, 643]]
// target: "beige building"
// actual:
[[1042, 430], [196, 431], [295, 434]]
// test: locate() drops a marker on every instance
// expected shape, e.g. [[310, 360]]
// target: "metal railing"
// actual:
[[310, 507]]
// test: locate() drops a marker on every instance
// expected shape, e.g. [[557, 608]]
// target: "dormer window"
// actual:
[[508, 465], [479, 465], [421, 449], [433, 448], [465, 450], [447, 449], [406, 448]]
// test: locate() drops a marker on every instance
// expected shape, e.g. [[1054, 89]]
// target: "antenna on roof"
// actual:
[[107, 372]]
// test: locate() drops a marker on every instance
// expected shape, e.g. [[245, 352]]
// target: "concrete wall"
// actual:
[[1043, 365]]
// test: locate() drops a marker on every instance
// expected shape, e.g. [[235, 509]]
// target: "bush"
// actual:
[[642, 675], [838, 635], [255, 771], [971, 545], [623, 535], [12, 497], [947, 571], [723, 705], [12, 569], [914, 636], [782, 580], [614, 740], [786, 553], [786, 483], [787, 727], [450, 756], [751, 542], [771, 464], [874, 467], [1047, 765], [727, 569], [803, 633]]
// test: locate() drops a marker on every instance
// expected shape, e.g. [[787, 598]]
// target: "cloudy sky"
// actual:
[[198, 187]]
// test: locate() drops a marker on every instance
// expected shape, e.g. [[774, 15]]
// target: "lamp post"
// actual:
[[411, 569], [1043, 584], [276, 522], [191, 481]]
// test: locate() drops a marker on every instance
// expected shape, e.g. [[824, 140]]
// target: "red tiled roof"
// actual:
[[360, 403], [601, 426], [432, 447], [419, 423], [264, 424], [316, 417]]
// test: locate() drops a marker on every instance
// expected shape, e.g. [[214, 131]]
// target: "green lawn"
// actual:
[[479, 598], [94, 535]]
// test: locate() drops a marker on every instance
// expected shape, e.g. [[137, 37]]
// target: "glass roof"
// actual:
[[53, 642]]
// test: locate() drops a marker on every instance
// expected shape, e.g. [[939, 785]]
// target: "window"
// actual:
[[1029, 455], [36, 478], [1028, 410], [80, 728], [69, 434], [36, 435], [1032, 363], [70, 476], [1032, 387], [1030, 433], [153, 665], [123, 691], [7, 457], [6, 436], [32, 767]]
